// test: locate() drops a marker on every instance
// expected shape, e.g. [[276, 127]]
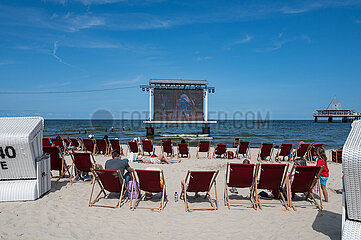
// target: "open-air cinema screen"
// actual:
[[178, 105]]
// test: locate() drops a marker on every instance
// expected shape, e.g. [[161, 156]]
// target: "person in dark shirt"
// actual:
[[118, 164]]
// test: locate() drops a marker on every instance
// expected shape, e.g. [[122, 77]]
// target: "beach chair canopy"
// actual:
[[21, 142], [351, 165]]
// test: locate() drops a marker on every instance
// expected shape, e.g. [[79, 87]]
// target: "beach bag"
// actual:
[[230, 155], [132, 195]]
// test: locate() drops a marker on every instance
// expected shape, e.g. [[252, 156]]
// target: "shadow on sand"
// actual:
[[328, 223]]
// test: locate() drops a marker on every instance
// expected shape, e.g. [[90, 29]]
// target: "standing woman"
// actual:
[[322, 161]]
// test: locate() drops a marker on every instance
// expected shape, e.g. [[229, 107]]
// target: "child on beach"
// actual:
[[322, 161]]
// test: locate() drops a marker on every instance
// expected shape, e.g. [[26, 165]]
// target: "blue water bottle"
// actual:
[[176, 197]]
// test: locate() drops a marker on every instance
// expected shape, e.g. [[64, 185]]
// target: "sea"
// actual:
[[333, 135]]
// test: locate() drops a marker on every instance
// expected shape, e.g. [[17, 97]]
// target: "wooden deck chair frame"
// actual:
[[102, 190], [75, 171], [252, 201], [309, 193], [260, 149], [277, 157], [283, 201], [308, 152], [209, 148], [142, 149], [137, 199], [314, 146], [208, 194], [248, 151]]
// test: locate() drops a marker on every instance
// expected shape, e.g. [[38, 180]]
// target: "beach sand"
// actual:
[[63, 213]]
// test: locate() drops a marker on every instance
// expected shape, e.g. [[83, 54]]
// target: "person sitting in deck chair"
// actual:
[[116, 163]]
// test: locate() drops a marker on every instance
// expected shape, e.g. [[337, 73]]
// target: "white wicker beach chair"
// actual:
[[351, 165]]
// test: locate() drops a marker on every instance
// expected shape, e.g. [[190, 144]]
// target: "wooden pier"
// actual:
[[335, 110]]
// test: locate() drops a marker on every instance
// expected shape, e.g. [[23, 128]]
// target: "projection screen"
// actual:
[[178, 105]]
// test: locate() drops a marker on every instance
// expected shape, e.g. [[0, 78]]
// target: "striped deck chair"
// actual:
[[110, 181], [240, 175], [271, 177], [148, 181], [243, 149], [199, 181], [265, 151], [305, 178], [284, 151], [203, 147]]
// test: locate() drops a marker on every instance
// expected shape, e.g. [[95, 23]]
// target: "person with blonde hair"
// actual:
[[322, 161]]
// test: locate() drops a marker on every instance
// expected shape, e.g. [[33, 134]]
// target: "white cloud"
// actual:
[[246, 39], [204, 58], [2, 63], [122, 82], [54, 54]]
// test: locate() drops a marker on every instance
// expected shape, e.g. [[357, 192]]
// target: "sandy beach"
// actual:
[[63, 213]]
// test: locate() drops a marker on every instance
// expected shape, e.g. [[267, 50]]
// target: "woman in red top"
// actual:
[[322, 161]]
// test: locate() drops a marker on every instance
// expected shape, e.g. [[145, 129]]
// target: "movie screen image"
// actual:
[[178, 105]]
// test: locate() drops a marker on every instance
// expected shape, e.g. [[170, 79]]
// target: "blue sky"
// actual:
[[287, 58]]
